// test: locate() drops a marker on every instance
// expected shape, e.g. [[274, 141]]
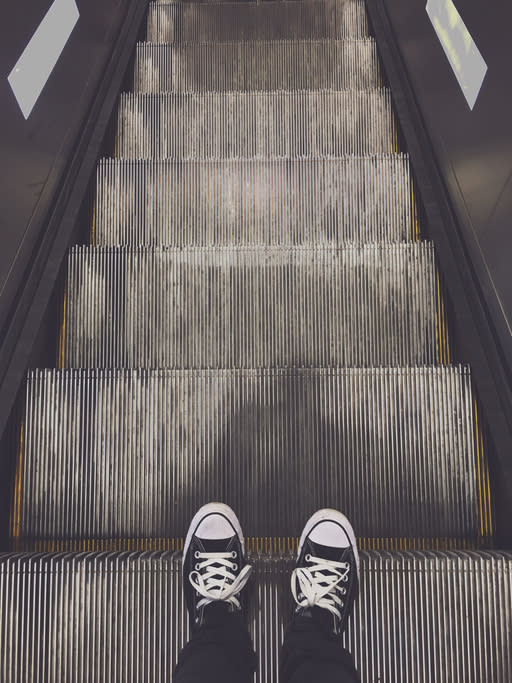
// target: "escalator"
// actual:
[[257, 319]]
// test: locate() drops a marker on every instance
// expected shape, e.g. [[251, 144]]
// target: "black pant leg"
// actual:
[[220, 651], [311, 652]]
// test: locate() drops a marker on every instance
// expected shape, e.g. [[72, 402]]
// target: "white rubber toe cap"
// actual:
[[214, 521], [331, 534]]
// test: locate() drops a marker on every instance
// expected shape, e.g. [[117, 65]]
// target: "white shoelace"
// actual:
[[213, 578], [318, 589]]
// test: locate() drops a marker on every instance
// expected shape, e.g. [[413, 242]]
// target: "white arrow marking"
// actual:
[[34, 67], [465, 59]]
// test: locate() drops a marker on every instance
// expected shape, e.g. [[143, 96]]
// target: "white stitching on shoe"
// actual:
[[214, 580], [318, 589]]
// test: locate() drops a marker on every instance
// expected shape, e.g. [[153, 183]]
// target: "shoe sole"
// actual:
[[327, 514], [209, 509]]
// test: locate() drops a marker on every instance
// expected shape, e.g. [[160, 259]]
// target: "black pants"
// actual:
[[221, 652]]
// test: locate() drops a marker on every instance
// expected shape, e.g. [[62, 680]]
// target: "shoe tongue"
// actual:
[[327, 552], [217, 545]]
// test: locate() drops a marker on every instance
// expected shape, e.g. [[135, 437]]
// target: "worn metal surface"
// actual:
[[113, 455], [364, 305], [261, 65], [218, 2], [254, 124], [260, 21], [248, 201], [420, 617], [132, 454]]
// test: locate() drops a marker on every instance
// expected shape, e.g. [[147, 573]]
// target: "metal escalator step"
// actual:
[[254, 124], [250, 201], [133, 453], [220, 2], [262, 65], [250, 307], [420, 617], [168, 23]]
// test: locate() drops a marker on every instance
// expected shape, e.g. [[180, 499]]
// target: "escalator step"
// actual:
[[246, 201], [251, 307], [263, 65], [254, 124], [422, 616], [220, 2], [132, 454], [169, 23], [217, 2]]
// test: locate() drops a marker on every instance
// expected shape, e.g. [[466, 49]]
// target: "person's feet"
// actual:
[[325, 581], [214, 568]]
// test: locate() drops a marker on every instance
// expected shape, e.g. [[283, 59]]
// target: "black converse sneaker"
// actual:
[[214, 568], [325, 582]]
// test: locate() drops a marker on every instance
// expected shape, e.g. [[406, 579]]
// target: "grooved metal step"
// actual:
[[202, 22], [254, 124], [250, 307], [220, 2], [262, 65], [267, 336], [247, 201], [420, 617], [113, 454]]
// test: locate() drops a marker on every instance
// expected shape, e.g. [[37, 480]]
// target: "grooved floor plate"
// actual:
[[248, 201], [255, 325], [262, 65], [254, 124], [132, 454], [420, 617], [219, 2], [248, 307], [169, 23]]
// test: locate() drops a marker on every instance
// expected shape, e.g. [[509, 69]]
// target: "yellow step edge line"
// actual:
[[395, 146], [416, 233], [478, 472], [264, 545], [483, 480], [439, 323], [18, 479], [487, 486], [444, 318]]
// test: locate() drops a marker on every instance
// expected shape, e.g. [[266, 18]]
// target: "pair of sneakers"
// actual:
[[325, 578]]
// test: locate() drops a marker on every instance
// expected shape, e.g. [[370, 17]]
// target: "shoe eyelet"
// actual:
[[343, 591], [233, 554], [308, 558], [234, 566], [345, 579], [197, 567], [196, 554]]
